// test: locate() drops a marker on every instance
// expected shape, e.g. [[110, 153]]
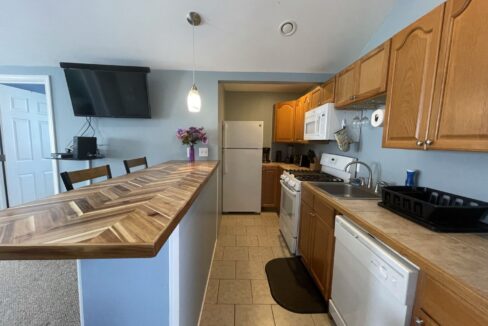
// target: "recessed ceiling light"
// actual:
[[288, 28]]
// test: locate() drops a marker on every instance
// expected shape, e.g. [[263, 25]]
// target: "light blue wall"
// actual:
[[154, 138], [463, 173]]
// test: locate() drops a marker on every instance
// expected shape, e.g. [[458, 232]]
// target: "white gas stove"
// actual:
[[332, 170]]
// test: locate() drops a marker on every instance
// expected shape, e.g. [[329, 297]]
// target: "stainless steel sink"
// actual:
[[345, 190]]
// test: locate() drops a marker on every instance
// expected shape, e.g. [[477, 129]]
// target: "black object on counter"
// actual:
[[292, 286], [266, 152], [304, 161], [436, 210], [278, 156]]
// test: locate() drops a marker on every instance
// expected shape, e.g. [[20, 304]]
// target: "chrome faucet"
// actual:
[[370, 178]]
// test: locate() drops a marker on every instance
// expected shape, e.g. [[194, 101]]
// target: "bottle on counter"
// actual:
[[410, 181]]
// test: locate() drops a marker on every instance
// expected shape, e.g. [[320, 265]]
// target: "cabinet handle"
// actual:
[[419, 143], [419, 321], [429, 142]]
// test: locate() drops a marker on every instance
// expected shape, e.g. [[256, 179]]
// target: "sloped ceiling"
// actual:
[[236, 35]]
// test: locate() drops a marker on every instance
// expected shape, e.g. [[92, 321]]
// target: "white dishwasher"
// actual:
[[372, 285]]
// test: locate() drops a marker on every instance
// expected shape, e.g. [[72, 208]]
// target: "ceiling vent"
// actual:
[[288, 28]]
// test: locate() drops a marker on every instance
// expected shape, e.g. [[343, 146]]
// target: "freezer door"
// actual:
[[242, 170], [243, 134]]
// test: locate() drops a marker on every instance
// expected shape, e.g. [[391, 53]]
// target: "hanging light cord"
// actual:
[[193, 44]]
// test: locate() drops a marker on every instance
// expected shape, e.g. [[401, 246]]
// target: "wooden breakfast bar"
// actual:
[[145, 219]]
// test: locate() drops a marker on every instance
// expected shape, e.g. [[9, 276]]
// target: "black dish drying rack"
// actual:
[[437, 210]]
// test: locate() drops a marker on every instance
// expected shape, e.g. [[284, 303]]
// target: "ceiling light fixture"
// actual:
[[288, 28], [194, 101]]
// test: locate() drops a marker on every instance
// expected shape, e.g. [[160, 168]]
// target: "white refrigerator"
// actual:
[[242, 166]]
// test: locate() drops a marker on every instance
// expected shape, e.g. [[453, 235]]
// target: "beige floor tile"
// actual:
[[226, 240], [212, 291], [235, 292], [250, 270], [233, 230], [261, 293], [322, 320], [284, 317], [256, 230], [222, 269], [272, 230], [219, 253], [269, 240], [217, 315], [247, 240], [236, 253], [253, 315], [281, 251], [261, 253]]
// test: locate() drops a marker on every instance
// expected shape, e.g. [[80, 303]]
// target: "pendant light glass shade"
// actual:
[[194, 101]]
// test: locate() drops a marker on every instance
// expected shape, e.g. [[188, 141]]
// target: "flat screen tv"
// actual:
[[108, 91]]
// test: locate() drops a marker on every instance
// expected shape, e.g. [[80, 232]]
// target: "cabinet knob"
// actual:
[[420, 143], [429, 142], [419, 321]]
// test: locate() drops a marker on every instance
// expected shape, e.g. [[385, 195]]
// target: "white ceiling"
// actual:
[[236, 35], [299, 88]]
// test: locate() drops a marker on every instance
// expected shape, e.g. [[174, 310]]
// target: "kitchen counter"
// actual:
[[127, 216], [459, 261], [287, 166]]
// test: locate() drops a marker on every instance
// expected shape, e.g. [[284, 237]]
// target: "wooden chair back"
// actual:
[[69, 178], [135, 162]]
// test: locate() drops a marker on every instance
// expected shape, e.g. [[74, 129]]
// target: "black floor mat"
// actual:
[[293, 288]]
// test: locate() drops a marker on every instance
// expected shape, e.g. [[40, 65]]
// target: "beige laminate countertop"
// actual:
[[457, 260], [127, 216], [287, 166]]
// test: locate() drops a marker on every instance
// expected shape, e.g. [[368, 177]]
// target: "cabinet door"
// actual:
[[306, 234], [269, 187], [346, 86], [373, 72], [414, 58], [301, 108], [443, 306], [420, 318], [328, 91], [315, 95], [460, 115], [321, 262], [284, 122]]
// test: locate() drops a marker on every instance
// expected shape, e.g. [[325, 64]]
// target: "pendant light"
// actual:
[[194, 101]]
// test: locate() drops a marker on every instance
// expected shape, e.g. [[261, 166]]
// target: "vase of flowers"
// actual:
[[190, 137]]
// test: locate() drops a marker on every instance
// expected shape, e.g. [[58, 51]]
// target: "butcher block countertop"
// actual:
[[457, 260], [128, 216], [287, 166]]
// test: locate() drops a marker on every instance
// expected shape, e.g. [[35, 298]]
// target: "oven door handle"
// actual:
[[287, 190]]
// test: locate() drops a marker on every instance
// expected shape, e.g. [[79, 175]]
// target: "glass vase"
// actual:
[[191, 154]]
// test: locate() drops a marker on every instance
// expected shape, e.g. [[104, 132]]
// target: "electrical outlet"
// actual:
[[203, 151]]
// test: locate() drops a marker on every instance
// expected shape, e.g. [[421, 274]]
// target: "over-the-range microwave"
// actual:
[[322, 122]]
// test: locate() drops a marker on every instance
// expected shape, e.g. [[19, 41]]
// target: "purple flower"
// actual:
[[192, 135]]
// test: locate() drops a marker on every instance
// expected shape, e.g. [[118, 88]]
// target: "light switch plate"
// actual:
[[203, 151]]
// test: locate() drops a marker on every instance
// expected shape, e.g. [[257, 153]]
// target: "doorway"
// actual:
[[27, 139]]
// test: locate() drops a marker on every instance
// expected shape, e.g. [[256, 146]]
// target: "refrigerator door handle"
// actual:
[[225, 162]]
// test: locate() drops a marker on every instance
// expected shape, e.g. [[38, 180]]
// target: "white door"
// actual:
[[242, 180], [26, 144], [243, 134]]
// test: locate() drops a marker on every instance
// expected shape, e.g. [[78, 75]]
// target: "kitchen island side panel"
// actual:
[[142, 291]]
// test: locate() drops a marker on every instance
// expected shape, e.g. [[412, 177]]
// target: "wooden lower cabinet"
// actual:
[[435, 304], [316, 241], [271, 188]]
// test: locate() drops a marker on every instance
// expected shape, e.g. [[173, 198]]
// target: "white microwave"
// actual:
[[322, 122]]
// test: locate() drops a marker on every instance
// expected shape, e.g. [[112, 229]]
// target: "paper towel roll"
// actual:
[[377, 118]]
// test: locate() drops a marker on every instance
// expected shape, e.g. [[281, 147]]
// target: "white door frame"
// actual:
[[46, 81]]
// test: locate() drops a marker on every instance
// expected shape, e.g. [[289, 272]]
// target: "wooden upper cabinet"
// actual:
[[413, 62], [284, 122], [460, 112], [315, 97], [345, 86], [328, 91], [373, 72], [303, 104]]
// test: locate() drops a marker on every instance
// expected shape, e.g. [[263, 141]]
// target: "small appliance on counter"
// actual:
[[279, 156], [304, 161], [436, 210], [266, 154]]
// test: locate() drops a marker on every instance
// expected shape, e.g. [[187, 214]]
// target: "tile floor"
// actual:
[[238, 292]]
